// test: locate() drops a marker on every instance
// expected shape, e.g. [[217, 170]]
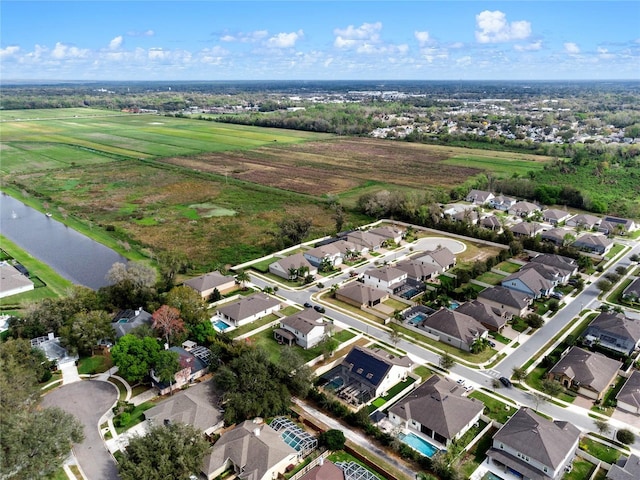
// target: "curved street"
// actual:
[[88, 401]]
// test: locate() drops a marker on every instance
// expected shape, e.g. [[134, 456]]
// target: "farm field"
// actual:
[[48, 113], [62, 142], [342, 165]]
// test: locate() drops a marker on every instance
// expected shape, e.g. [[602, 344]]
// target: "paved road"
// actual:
[[587, 298], [88, 400]]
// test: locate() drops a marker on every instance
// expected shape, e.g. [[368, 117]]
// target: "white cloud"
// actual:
[[285, 40], [350, 37], [245, 37], [146, 33], [529, 47], [422, 37], [9, 51], [604, 53], [493, 27], [157, 53], [62, 51], [327, 62], [115, 43], [571, 48]]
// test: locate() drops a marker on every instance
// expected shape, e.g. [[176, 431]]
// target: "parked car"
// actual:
[[557, 295], [506, 382], [319, 309], [307, 305], [460, 381], [492, 344], [468, 388]]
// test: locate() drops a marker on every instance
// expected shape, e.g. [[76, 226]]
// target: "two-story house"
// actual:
[[387, 278], [306, 328], [614, 331]]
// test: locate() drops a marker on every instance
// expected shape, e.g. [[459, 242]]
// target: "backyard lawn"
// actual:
[[95, 364], [600, 450], [494, 408]]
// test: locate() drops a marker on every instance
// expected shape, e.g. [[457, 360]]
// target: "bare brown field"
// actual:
[[336, 165]]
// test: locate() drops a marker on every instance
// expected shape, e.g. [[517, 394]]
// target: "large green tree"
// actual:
[[174, 451], [85, 329], [33, 441], [135, 356]]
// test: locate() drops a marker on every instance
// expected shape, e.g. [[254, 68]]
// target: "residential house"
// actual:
[[252, 451], [194, 363], [564, 266], [523, 209], [508, 302], [628, 398], [502, 203], [53, 350], [306, 328], [453, 328], [350, 250], [207, 283], [437, 410], [441, 257], [614, 331], [588, 373], [329, 253], [418, 271], [558, 236], [387, 278], [365, 240], [529, 282], [632, 292], [628, 469], [370, 373], [324, 470], [194, 406], [479, 197], [389, 232], [526, 229], [361, 295], [12, 282], [534, 448], [292, 267], [126, 320], [470, 217], [555, 276], [490, 317], [248, 309], [555, 216], [616, 226], [491, 222], [593, 243], [584, 221]]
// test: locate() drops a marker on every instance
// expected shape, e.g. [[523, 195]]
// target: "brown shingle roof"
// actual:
[[589, 369]]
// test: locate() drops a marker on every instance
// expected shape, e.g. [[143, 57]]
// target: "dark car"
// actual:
[[307, 305], [506, 382], [557, 295], [492, 344], [319, 309]]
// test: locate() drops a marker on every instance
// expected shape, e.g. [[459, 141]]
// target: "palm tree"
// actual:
[[243, 277]]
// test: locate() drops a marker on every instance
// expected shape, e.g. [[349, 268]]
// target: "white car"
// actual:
[[460, 381]]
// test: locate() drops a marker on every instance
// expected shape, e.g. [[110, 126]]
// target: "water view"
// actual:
[[70, 253]]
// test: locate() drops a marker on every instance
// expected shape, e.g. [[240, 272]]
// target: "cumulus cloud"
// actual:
[[8, 51], [62, 51], [529, 47], [422, 37], [571, 48], [285, 40], [352, 37], [493, 27], [245, 37], [115, 43]]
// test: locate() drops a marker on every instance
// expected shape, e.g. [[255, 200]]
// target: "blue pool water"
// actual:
[[220, 325], [417, 319], [491, 476], [123, 320], [419, 444], [454, 305], [335, 383]]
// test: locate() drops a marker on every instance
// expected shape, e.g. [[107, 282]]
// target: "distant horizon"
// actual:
[[316, 40]]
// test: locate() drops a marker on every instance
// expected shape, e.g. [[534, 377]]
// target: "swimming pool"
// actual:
[[123, 320], [417, 319], [491, 476], [453, 305], [220, 325], [335, 383], [419, 444]]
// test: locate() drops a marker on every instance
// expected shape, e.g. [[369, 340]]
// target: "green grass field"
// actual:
[[49, 113], [70, 138], [500, 166]]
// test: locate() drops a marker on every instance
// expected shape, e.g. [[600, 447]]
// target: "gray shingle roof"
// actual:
[[296, 260], [531, 278], [361, 293], [526, 228], [303, 321], [417, 270], [590, 369], [547, 441], [455, 324], [438, 404], [442, 256], [249, 306], [630, 470], [555, 213], [208, 281], [630, 391], [505, 296], [386, 273], [617, 324], [252, 447], [482, 313]]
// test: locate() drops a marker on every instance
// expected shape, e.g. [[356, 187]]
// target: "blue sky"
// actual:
[[325, 40]]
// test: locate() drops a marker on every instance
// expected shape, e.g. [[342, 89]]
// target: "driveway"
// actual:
[[88, 401]]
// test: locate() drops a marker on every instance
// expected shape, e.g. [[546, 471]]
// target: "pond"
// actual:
[[70, 253]]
